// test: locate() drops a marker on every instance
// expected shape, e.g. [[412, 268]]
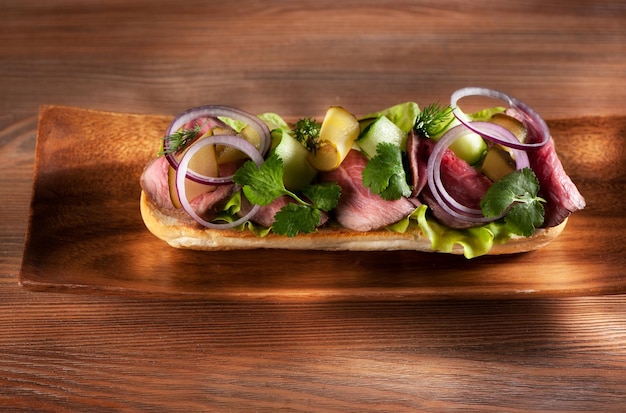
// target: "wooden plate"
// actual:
[[86, 235]]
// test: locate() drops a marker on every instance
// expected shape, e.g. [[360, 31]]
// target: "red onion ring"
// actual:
[[183, 170], [216, 111], [444, 199], [530, 118]]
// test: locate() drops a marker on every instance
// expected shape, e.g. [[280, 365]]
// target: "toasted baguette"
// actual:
[[329, 238]]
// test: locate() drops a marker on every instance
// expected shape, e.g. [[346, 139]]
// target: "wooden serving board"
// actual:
[[86, 234]]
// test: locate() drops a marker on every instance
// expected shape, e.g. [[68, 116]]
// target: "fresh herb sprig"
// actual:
[[516, 195], [307, 132], [263, 185], [433, 119], [179, 140], [384, 174]]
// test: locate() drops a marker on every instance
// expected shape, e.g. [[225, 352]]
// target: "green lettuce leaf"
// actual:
[[275, 121], [403, 115], [486, 114], [475, 241]]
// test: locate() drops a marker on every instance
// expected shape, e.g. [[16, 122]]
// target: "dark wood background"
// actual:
[[91, 352]]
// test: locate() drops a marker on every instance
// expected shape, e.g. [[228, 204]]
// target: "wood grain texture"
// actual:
[[97, 353], [562, 57], [526, 355]]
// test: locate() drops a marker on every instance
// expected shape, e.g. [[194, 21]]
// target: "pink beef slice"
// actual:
[[462, 182], [154, 182], [418, 159], [555, 186], [265, 215], [358, 208]]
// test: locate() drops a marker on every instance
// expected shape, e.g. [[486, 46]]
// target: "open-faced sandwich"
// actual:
[[436, 179]]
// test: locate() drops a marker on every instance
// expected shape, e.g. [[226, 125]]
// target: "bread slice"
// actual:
[[328, 238]]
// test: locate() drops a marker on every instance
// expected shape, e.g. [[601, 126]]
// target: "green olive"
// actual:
[[470, 148]]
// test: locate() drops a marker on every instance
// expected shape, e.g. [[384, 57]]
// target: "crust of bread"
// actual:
[[329, 238]]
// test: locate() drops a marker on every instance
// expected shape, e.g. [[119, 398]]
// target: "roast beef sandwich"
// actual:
[[437, 179]]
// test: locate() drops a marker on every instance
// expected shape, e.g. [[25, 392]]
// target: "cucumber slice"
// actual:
[[297, 171], [381, 130]]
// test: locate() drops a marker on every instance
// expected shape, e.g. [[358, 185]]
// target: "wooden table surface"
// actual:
[[92, 352]]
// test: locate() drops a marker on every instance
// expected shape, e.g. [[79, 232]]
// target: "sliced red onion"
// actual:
[[529, 117], [183, 169], [444, 199], [216, 111]]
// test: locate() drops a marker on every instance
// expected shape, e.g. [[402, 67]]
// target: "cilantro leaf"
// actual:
[[324, 196], [397, 188], [515, 195], [523, 218], [262, 185], [384, 174], [294, 218]]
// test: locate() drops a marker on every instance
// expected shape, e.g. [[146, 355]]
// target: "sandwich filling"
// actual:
[[458, 178]]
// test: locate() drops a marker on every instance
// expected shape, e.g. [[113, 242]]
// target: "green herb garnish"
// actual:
[[384, 174], [516, 195], [179, 140], [294, 218], [307, 132], [433, 119], [263, 185]]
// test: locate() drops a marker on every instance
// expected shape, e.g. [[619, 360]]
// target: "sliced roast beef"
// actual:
[[265, 215], [358, 208], [209, 204], [154, 182], [555, 186], [463, 182], [418, 160]]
